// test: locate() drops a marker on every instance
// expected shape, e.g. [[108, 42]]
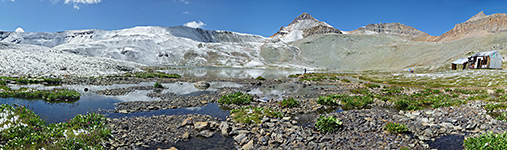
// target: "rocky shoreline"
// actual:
[[362, 128]]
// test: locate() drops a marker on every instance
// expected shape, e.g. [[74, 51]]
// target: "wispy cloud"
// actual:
[[195, 24], [182, 1], [77, 2], [186, 12]]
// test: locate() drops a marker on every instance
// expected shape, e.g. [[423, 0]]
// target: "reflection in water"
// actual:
[[284, 90], [59, 112], [448, 142], [231, 72], [216, 142]]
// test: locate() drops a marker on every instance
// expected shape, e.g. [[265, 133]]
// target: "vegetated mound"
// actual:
[[477, 26], [365, 52], [31, 60]]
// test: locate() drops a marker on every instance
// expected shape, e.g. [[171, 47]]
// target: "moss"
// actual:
[[289, 103], [487, 141], [54, 95], [251, 115], [237, 98], [393, 127], [260, 78], [158, 85], [328, 124]]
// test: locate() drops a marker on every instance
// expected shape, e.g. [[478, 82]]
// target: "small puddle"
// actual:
[[448, 142], [212, 109], [215, 142], [283, 90]]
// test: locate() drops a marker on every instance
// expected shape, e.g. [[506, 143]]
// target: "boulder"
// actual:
[[202, 85]]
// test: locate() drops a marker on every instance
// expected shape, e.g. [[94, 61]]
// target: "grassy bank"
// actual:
[[28, 131]]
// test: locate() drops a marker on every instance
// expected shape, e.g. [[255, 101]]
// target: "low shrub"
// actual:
[[330, 100], [487, 141], [237, 98], [328, 124], [392, 127], [491, 107], [158, 85], [250, 114], [290, 103], [260, 78], [53, 95], [363, 91], [351, 102], [370, 85], [36, 134]]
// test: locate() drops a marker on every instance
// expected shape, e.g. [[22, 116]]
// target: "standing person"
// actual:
[[305, 71]]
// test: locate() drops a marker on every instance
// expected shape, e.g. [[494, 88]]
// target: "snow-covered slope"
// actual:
[[32, 60], [303, 26], [153, 45]]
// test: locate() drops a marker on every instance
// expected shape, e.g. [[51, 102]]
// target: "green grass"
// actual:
[[487, 141], [37, 134], [363, 91], [330, 100], [328, 124], [392, 127], [24, 80], [317, 76], [346, 101], [289, 103], [54, 95], [370, 85], [237, 98], [251, 115], [158, 85], [260, 78], [491, 107]]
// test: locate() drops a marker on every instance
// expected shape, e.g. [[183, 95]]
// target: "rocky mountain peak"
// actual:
[[477, 16], [478, 25], [392, 29], [303, 16], [303, 26]]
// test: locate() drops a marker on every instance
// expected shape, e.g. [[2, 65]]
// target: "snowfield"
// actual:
[[31, 60]]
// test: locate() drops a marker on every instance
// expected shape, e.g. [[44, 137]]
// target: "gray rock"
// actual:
[[201, 85], [224, 128], [239, 138], [248, 145], [206, 133], [200, 126]]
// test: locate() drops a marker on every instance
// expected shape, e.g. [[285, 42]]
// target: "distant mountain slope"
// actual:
[[303, 26], [364, 52], [478, 25], [393, 29]]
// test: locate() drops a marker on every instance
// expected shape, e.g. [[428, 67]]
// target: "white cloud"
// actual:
[[83, 1], [182, 1], [76, 2], [186, 12], [19, 29], [195, 24]]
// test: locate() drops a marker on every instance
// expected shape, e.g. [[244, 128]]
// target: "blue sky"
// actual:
[[263, 17]]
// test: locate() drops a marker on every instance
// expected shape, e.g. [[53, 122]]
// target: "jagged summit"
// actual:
[[304, 16], [303, 26], [478, 25], [477, 16], [394, 29]]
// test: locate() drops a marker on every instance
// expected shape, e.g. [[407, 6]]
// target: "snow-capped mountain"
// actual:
[[303, 26], [153, 45]]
